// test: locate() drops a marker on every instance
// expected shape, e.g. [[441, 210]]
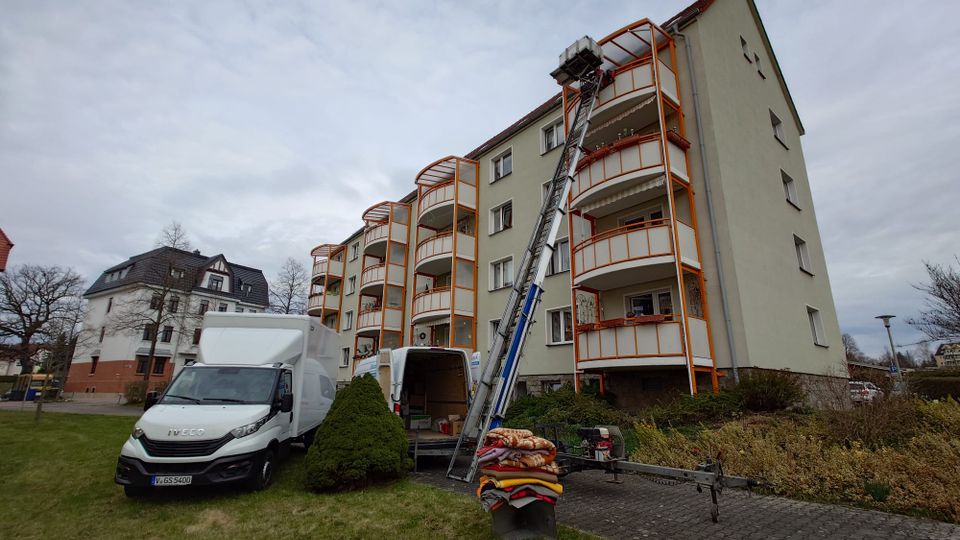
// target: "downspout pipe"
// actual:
[[725, 303]]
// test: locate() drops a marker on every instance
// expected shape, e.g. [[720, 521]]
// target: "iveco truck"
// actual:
[[260, 382]]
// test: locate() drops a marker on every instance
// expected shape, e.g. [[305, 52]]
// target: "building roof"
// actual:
[[942, 348], [152, 268]]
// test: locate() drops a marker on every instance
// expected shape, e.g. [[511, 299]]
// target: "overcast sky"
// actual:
[[267, 128]]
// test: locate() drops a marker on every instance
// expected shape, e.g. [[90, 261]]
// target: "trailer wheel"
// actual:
[[135, 492], [263, 469]]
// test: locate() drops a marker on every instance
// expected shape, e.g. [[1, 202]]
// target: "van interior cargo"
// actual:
[[434, 386]]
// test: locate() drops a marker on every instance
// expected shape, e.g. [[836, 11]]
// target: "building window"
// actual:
[[204, 306], [803, 255], [816, 326], [253, 311], [743, 47], [501, 217], [550, 386], [347, 321], [777, 128], [94, 360], [647, 215], [493, 332], [560, 331], [551, 136], [142, 364], [560, 261], [649, 303], [174, 304], [501, 165], [239, 309], [147, 332], [109, 304], [501, 274], [176, 273], [351, 284], [167, 334], [215, 283], [156, 301], [196, 335], [247, 289], [159, 365], [222, 307], [345, 357], [103, 330], [354, 251], [756, 59], [790, 189], [545, 190]]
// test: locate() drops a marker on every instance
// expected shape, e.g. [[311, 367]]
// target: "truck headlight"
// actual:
[[137, 432], [249, 429]]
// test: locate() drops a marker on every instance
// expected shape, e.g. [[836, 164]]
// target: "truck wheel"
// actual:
[[135, 492], [263, 469]]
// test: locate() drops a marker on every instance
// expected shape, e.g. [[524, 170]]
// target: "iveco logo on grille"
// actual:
[[186, 432]]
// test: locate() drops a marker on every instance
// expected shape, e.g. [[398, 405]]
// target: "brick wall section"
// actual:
[[110, 376]]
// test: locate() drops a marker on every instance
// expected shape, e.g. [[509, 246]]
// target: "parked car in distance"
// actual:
[[864, 391]]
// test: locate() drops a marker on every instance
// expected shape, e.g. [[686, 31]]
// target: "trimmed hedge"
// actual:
[[359, 443]]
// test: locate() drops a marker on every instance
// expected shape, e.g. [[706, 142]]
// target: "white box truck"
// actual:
[[260, 382], [423, 384]]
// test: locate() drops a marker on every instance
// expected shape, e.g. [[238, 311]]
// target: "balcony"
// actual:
[[385, 221], [372, 277], [435, 303], [371, 320], [319, 302], [625, 164], [325, 267], [440, 184], [434, 255], [654, 340], [631, 254]]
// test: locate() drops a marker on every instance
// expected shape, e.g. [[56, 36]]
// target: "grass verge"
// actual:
[[56, 481]]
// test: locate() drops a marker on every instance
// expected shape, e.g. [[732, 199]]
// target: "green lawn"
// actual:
[[56, 481]]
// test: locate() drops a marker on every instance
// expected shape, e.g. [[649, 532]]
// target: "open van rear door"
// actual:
[[398, 361]]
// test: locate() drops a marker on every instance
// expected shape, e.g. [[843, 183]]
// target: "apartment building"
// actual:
[[691, 252], [185, 285]]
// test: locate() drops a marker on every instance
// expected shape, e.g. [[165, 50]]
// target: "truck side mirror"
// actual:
[[286, 403], [150, 400]]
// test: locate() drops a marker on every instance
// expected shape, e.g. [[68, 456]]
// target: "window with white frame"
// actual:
[[647, 214], [803, 255], [756, 60], [501, 273], [560, 261], [347, 323], [743, 47], [493, 332], [351, 284], [345, 357], [658, 302], [816, 326], [560, 329], [551, 136], [790, 189], [502, 165], [354, 251], [501, 217], [777, 125]]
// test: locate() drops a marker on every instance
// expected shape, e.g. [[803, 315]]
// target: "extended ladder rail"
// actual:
[[498, 378]]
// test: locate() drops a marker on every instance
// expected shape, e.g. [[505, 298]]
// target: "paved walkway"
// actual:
[[640, 508], [78, 407]]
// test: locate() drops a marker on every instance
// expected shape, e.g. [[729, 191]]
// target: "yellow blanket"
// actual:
[[484, 480]]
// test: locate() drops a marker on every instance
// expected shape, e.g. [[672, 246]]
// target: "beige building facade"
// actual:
[[691, 253]]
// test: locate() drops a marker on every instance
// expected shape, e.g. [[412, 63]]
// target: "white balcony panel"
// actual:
[[369, 320], [467, 195], [393, 319], [464, 301], [688, 245], [678, 161], [669, 83], [399, 233], [396, 275], [375, 234], [699, 341], [631, 245], [435, 303], [647, 341], [466, 246]]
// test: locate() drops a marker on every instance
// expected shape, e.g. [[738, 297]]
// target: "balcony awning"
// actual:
[[630, 43], [438, 172], [326, 250], [378, 213], [653, 183]]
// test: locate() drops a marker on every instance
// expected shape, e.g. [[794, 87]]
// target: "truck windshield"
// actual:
[[218, 385]]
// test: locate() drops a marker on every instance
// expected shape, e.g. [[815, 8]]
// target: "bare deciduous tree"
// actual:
[[851, 349], [288, 293], [941, 318], [175, 236], [35, 303], [159, 307]]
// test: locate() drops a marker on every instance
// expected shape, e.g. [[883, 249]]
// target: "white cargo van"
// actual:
[[423, 384], [260, 382]]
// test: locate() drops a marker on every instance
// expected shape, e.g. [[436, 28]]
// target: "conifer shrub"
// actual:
[[359, 443]]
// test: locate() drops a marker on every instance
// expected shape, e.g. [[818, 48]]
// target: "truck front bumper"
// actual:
[[134, 472]]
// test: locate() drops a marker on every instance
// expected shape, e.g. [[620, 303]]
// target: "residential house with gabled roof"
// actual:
[[187, 285], [5, 246]]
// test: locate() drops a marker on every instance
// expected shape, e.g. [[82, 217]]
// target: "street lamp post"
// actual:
[[893, 349]]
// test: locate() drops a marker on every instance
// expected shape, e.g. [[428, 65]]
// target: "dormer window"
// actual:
[[176, 273], [215, 283], [246, 289]]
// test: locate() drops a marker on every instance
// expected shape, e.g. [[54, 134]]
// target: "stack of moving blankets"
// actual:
[[517, 469]]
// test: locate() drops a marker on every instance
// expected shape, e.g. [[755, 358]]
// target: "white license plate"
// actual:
[[171, 480]]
